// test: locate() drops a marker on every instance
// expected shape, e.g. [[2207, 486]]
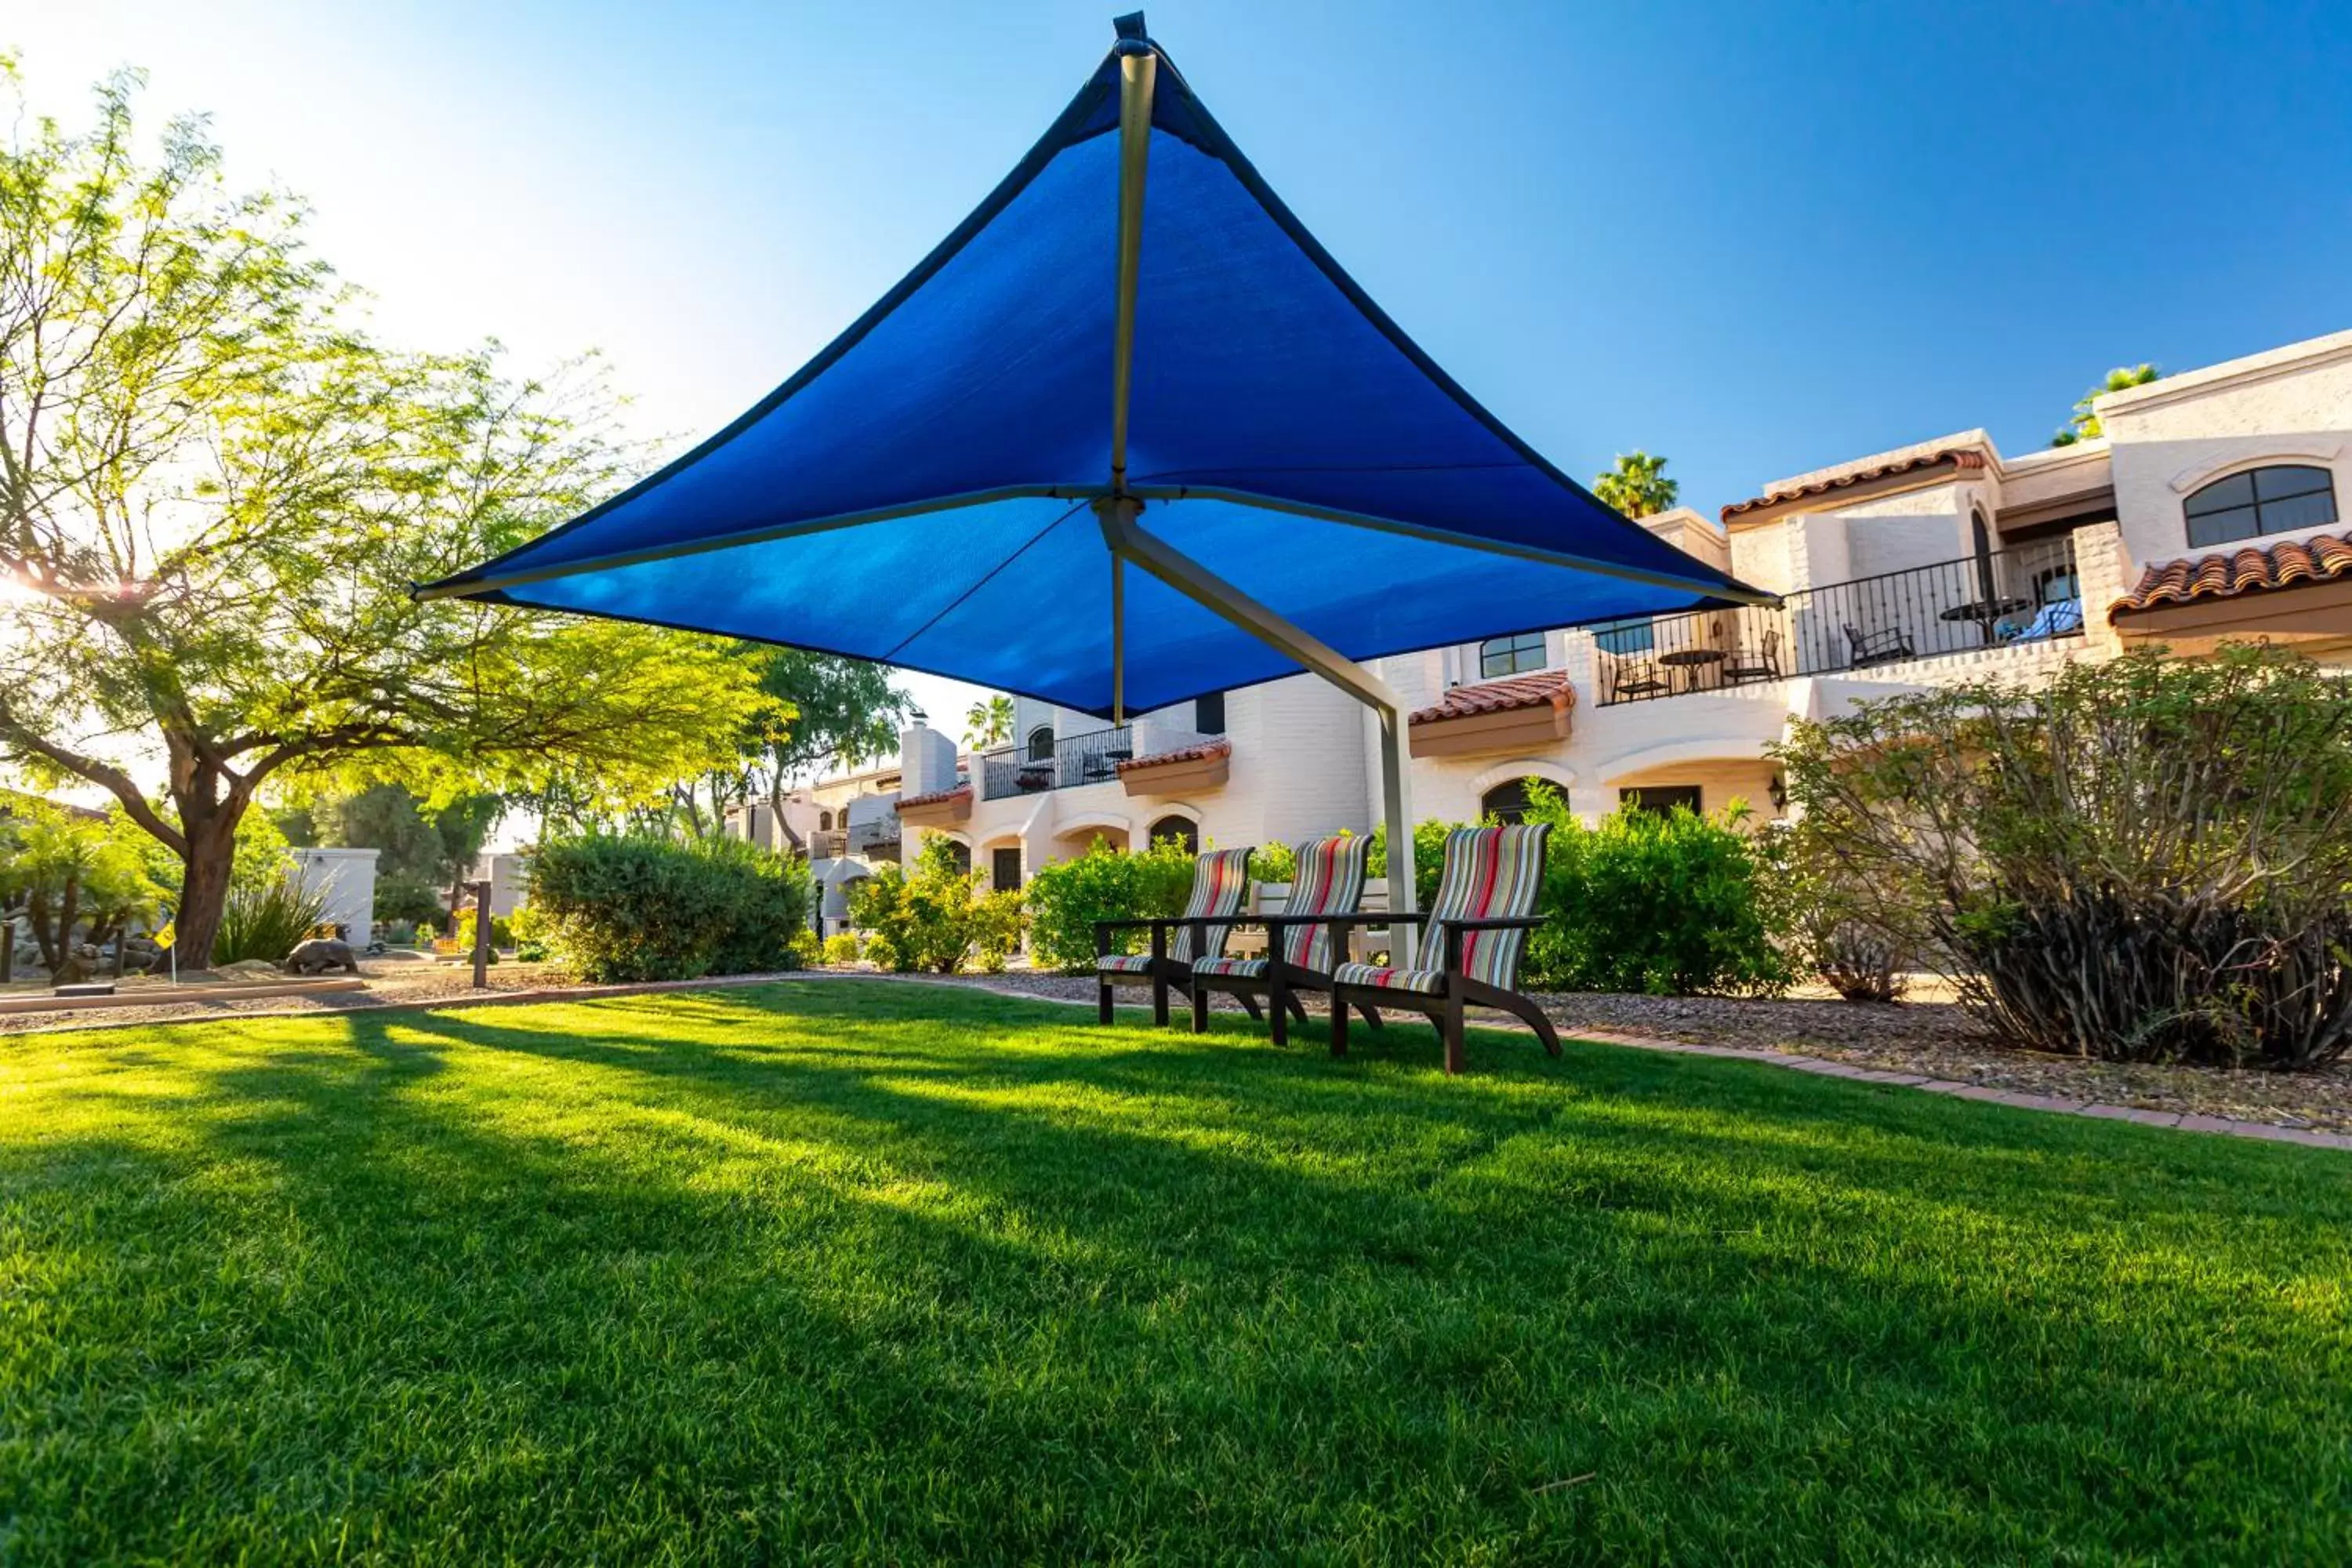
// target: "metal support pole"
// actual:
[[1396, 797], [481, 936], [1137, 73], [7, 951]]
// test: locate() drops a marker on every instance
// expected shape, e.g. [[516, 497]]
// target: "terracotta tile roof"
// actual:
[[1200, 754], [1549, 685], [2322, 558], [1964, 458], [935, 797]]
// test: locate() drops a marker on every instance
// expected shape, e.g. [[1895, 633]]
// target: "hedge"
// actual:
[[639, 907]]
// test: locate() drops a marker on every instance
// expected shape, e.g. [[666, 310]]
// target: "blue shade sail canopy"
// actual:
[[921, 492]]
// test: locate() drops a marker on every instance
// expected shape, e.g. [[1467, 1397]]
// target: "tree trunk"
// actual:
[[204, 885]]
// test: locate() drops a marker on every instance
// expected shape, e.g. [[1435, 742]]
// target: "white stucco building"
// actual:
[[2208, 508]]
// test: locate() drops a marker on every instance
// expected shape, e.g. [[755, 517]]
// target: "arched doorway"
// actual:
[[1182, 829], [1508, 801]]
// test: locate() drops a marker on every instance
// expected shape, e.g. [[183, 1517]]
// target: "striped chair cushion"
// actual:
[[1231, 968], [1220, 881], [1429, 980], [1124, 963], [1330, 882], [1491, 873]]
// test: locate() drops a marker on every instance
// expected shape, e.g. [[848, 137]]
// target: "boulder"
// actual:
[[320, 954]]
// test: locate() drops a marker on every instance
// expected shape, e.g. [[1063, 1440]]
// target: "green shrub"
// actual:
[[1065, 900], [840, 949], [882, 955], [1671, 905], [405, 898], [937, 917], [1428, 857], [530, 931], [502, 932], [1273, 863], [264, 917], [2147, 858], [639, 907]]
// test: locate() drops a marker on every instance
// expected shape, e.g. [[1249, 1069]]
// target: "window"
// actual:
[[1507, 802], [824, 822], [1625, 637], [1510, 656], [2277, 499], [1005, 868], [1040, 743], [1182, 829], [959, 857], [1662, 799], [1209, 714]]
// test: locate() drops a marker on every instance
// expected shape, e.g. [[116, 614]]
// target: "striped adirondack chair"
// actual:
[[1220, 881], [1477, 930], [1300, 948]]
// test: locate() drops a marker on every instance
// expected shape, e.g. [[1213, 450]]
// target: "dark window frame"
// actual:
[[996, 864], [1513, 649], [1511, 811], [1030, 752], [1209, 714], [1189, 837], [2252, 508]]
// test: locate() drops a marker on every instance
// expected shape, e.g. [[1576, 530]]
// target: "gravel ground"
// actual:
[[1932, 1038], [389, 983]]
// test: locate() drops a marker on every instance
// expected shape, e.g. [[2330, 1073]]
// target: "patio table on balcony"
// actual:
[[1689, 661], [1987, 614]]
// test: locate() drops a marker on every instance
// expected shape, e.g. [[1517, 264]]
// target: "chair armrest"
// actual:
[[1368, 918], [1502, 922], [1135, 924]]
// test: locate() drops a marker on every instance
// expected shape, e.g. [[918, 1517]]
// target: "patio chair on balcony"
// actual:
[[1475, 930], [1762, 664], [1299, 947], [1888, 644], [1220, 881], [1631, 679]]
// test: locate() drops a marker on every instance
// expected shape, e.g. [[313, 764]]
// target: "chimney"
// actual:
[[926, 760]]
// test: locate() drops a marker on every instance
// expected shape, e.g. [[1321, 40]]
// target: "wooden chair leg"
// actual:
[[1159, 997], [1102, 1001], [1371, 1015], [1200, 1009], [1277, 1003], [1450, 1025], [1519, 1006], [1339, 1025]]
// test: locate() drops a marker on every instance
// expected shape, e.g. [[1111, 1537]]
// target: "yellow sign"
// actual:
[[166, 936]]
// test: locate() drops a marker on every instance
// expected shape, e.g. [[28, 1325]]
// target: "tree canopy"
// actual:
[[2085, 425], [1637, 486], [216, 490]]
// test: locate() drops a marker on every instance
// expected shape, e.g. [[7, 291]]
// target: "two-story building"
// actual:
[[2208, 508]]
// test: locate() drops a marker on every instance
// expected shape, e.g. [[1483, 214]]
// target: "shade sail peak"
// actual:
[[919, 492]]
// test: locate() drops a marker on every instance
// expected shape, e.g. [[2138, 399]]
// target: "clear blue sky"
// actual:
[[1754, 241]]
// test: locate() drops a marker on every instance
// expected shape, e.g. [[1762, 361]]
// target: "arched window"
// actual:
[[2277, 499], [1040, 743], [824, 822], [1507, 802], [959, 857], [1510, 656], [1182, 829]]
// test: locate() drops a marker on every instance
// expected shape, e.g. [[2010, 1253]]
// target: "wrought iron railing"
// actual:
[[875, 836], [2011, 598], [1091, 758]]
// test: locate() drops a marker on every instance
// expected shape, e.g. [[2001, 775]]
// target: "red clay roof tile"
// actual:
[[1198, 753], [2251, 569], [1549, 685]]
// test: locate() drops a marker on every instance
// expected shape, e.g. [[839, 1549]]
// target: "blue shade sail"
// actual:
[[919, 492]]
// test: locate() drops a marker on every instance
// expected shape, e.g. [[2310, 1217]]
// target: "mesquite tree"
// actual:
[[216, 491]]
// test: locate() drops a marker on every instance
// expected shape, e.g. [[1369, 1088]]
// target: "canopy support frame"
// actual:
[[1159, 559]]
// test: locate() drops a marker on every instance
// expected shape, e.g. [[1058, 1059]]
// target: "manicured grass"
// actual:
[[888, 1273]]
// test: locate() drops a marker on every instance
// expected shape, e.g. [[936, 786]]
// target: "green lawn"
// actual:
[[886, 1273]]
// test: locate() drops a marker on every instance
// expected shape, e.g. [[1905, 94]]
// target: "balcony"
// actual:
[[2012, 598], [1075, 759]]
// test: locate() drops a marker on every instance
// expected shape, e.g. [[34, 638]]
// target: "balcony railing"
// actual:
[[876, 836], [1075, 759], [2011, 598]]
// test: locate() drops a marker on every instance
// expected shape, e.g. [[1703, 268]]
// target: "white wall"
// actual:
[[345, 878]]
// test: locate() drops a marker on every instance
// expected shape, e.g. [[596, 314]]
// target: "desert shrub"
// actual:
[[936, 917], [529, 929], [640, 906], [1065, 900], [1671, 905], [264, 918], [405, 898], [2144, 860], [840, 949], [1428, 857], [882, 955], [1273, 863], [1859, 934]]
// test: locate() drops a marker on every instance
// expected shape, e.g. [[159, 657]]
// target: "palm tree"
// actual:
[[989, 722], [1638, 486], [2085, 425]]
